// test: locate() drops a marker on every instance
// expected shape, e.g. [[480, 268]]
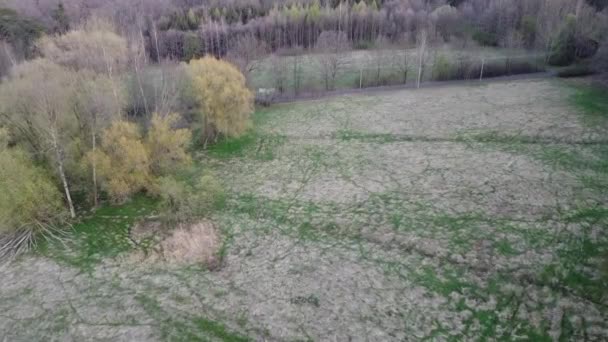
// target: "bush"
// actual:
[[508, 67], [187, 203], [442, 69], [364, 45], [485, 38], [600, 60], [122, 161], [166, 145], [371, 79], [563, 51], [30, 203], [464, 69], [576, 71]]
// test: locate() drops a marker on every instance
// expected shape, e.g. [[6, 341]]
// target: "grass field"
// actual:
[[450, 213]]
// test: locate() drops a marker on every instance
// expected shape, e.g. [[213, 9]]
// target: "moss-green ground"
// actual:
[[455, 213]]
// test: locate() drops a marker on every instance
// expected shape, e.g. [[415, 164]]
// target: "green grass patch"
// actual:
[[231, 147], [103, 234], [174, 327], [504, 247], [262, 145], [592, 102], [348, 135], [428, 278]]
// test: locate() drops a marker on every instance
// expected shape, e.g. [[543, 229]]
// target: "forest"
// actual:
[[451, 150]]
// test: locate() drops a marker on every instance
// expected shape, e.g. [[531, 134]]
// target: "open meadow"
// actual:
[[468, 212]]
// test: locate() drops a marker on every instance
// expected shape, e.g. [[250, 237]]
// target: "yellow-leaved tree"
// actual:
[[123, 165], [225, 103], [166, 145], [128, 162]]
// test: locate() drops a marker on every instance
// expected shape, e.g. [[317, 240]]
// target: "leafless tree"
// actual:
[[401, 60], [296, 67], [550, 19], [331, 46], [381, 56], [246, 52], [421, 54], [279, 70]]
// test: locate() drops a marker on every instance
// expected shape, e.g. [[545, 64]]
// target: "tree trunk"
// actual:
[[94, 167], [64, 180]]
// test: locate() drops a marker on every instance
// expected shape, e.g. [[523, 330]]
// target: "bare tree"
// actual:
[[95, 46], [421, 54], [550, 20], [296, 67], [401, 60], [513, 41], [246, 52], [279, 71], [331, 45], [381, 56]]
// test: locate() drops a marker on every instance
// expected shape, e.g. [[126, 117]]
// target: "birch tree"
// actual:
[[421, 54], [36, 102], [96, 107]]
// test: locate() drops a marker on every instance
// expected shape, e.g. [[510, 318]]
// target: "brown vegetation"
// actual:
[[194, 243]]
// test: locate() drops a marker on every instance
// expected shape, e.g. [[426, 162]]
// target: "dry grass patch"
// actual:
[[195, 243]]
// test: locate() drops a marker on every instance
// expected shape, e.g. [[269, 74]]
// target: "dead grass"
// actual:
[[195, 243]]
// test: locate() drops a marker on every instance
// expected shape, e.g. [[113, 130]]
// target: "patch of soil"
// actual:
[[147, 229]]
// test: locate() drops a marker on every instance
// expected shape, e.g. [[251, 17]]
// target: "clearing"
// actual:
[[450, 213]]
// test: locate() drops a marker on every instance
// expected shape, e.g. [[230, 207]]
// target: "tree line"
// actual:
[[185, 29]]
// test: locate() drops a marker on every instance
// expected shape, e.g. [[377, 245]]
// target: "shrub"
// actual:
[[576, 71], [122, 161], [485, 38], [464, 69], [363, 45], [167, 146], [30, 203], [371, 79], [442, 69], [563, 51], [600, 60], [508, 67], [186, 203]]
